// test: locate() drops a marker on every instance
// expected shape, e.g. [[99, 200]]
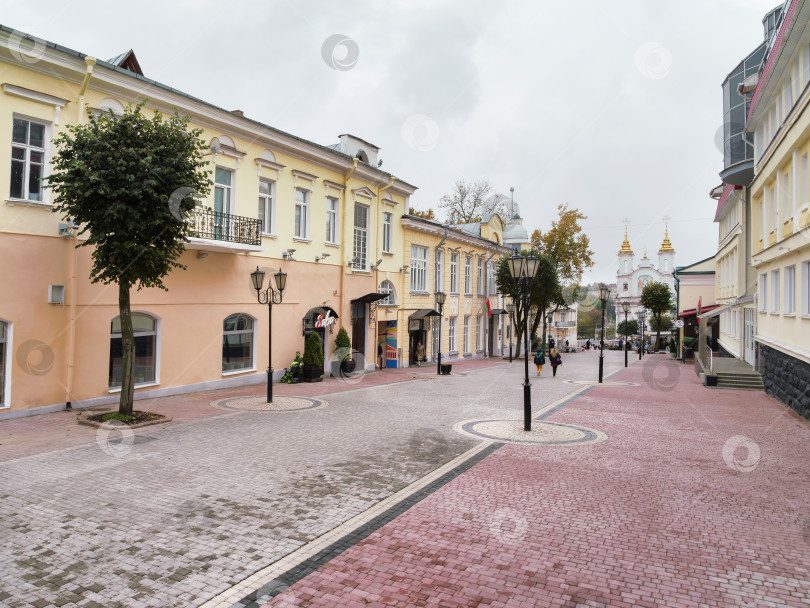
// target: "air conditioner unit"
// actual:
[[56, 294]]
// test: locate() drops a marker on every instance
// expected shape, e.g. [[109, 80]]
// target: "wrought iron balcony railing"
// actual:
[[218, 226], [565, 323]]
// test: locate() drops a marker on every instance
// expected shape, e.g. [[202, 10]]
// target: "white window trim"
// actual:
[[438, 270], [272, 197], [776, 293], [763, 292], [305, 213], [365, 267], [415, 269], [454, 273], [46, 163], [5, 402], [805, 287], [253, 351], [452, 331], [158, 336], [391, 292], [336, 212], [388, 232], [790, 298]]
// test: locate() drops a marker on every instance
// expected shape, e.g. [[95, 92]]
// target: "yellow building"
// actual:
[[694, 284], [780, 247], [460, 261], [326, 215]]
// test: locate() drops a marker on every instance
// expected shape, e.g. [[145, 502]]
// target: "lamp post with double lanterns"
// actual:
[[626, 309], [269, 296], [510, 308], [642, 316], [523, 269], [440, 297], [604, 294]]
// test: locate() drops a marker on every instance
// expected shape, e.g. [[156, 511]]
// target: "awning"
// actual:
[[716, 311], [693, 311], [321, 310], [369, 298], [498, 311], [424, 313]]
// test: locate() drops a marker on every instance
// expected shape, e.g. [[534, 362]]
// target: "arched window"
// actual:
[[238, 341], [145, 328], [5, 338], [388, 287]]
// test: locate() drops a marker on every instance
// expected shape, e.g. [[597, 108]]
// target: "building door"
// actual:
[[414, 338], [749, 337], [493, 338], [359, 327]]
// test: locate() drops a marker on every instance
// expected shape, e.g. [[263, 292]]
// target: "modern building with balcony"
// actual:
[[325, 214]]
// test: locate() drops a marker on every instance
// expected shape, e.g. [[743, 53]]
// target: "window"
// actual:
[[438, 274], [387, 232], [145, 329], [790, 290], [466, 334], [491, 286], [763, 206], [267, 208], [301, 214], [237, 343], [451, 334], [453, 273], [763, 292], [468, 275], [332, 220], [806, 288], [481, 330], [785, 196], [435, 337], [222, 201], [388, 288], [360, 250], [418, 268], [4, 366], [480, 276], [27, 160], [802, 204], [775, 291]]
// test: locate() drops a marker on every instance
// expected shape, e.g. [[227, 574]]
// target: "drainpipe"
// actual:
[[391, 181], [486, 295], [343, 241], [90, 62]]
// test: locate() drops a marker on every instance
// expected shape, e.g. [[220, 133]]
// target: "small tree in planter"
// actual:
[[673, 347], [313, 358], [343, 350]]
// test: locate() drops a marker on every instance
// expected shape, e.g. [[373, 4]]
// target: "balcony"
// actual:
[[216, 231], [565, 323]]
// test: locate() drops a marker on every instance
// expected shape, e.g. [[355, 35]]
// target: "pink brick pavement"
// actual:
[[45, 432], [666, 512]]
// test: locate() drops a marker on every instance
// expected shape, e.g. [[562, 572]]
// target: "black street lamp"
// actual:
[[440, 297], [642, 316], [269, 296], [626, 309], [510, 308], [523, 270], [604, 294]]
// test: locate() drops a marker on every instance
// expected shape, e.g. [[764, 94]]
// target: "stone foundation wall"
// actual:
[[786, 378]]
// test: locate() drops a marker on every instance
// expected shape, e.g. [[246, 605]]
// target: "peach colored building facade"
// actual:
[[326, 215]]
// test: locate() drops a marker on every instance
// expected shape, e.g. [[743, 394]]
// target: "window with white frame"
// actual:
[[387, 287], [466, 335], [775, 294], [453, 273], [419, 268], [480, 276], [491, 285], [481, 331], [388, 236], [27, 159], [790, 290], [4, 366], [438, 273], [301, 214], [468, 275], [803, 202], [360, 249], [145, 328], [762, 208], [331, 220], [451, 334], [238, 340], [223, 180], [267, 207], [763, 292], [785, 196], [806, 287], [435, 337]]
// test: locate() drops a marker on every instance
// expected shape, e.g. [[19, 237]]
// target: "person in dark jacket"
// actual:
[[539, 359], [555, 360]]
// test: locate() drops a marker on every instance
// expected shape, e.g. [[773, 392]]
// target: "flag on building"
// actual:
[[698, 309], [489, 308]]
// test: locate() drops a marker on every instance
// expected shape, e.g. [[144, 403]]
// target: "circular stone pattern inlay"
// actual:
[[259, 404], [542, 433], [597, 383]]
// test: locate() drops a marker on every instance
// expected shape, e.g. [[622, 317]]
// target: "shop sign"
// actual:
[[324, 320]]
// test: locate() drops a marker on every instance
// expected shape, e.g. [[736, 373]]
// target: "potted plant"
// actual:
[[313, 358], [344, 365], [688, 352], [673, 348]]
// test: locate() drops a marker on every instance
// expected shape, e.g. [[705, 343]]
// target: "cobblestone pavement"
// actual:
[[699, 497], [173, 515]]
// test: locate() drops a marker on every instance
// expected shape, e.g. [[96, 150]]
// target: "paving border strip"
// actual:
[[275, 578]]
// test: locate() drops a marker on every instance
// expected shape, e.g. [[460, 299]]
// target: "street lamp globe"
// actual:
[[440, 298], [626, 307], [281, 280], [517, 266], [604, 293], [532, 264], [257, 276], [510, 308]]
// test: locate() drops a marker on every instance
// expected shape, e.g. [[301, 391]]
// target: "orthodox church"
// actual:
[[631, 278]]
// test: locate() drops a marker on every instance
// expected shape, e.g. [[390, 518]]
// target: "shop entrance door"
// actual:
[[359, 327], [749, 337], [414, 338]]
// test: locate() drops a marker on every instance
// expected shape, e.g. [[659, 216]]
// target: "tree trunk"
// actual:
[[128, 348], [657, 332]]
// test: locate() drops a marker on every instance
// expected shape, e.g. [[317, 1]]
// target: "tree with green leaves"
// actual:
[[544, 291], [657, 298], [130, 182], [627, 328]]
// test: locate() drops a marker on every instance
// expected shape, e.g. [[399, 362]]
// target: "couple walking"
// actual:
[[554, 359]]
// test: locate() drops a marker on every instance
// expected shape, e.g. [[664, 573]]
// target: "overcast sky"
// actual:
[[610, 107]]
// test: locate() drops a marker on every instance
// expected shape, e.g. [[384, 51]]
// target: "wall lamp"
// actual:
[[377, 265], [288, 255], [321, 257], [404, 268]]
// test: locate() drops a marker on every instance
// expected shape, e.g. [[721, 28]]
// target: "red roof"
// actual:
[[693, 311], [724, 197]]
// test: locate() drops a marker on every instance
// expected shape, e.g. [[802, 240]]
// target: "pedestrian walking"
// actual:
[[420, 354], [555, 360], [588, 345], [539, 359]]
